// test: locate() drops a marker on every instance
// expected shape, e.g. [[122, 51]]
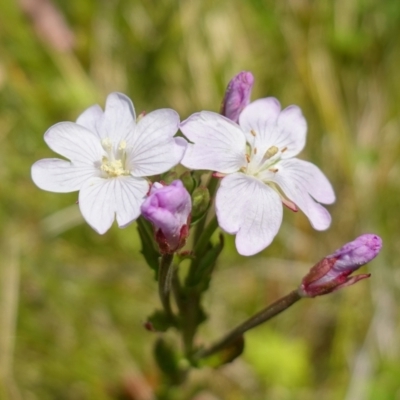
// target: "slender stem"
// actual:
[[187, 302], [165, 274], [257, 319]]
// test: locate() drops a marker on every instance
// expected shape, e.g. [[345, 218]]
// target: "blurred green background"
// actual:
[[72, 303]]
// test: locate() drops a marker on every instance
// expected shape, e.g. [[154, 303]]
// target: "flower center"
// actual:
[[114, 163], [263, 166]]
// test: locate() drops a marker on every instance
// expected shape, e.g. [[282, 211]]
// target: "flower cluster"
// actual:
[[110, 156]]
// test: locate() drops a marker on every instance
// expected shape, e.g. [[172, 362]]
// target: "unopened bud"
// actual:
[[333, 272], [200, 200], [188, 181], [168, 209], [237, 95], [169, 177]]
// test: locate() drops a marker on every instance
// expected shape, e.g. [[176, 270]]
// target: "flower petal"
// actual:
[[273, 127], [100, 199], [250, 209], [119, 120], [130, 193], [60, 176], [219, 143], [90, 117], [74, 142], [154, 149], [300, 180]]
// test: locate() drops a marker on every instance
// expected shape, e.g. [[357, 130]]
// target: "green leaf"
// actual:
[[168, 361], [224, 356], [159, 321], [149, 249]]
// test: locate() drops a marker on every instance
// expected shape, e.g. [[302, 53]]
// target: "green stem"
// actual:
[[191, 310], [164, 284], [262, 316], [187, 301]]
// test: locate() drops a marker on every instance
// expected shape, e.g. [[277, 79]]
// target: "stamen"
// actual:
[[274, 170], [255, 150], [106, 143], [284, 149], [253, 133], [271, 152], [122, 145], [248, 158]]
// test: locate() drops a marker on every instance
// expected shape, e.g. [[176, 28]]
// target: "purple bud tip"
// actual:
[[168, 209], [237, 95], [358, 252], [333, 272]]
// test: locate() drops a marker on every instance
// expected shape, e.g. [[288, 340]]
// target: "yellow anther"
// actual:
[[271, 152], [284, 149], [274, 170], [113, 168], [247, 158], [253, 133], [255, 150]]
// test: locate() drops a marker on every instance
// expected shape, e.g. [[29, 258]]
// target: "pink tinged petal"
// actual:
[[250, 209], [75, 142], [284, 129], [218, 143], [101, 199], [90, 117], [60, 176], [302, 182], [154, 149], [119, 119]]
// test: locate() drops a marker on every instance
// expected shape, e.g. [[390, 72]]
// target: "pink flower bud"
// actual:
[[168, 209], [237, 95], [332, 272]]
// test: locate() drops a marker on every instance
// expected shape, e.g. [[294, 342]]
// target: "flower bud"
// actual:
[[168, 209], [237, 95], [188, 181], [332, 272], [201, 201]]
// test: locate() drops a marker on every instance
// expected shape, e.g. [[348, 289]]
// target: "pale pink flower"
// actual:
[[110, 154], [256, 160]]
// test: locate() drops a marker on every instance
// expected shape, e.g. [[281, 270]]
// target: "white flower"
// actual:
[[256, 157], [110, 155]]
